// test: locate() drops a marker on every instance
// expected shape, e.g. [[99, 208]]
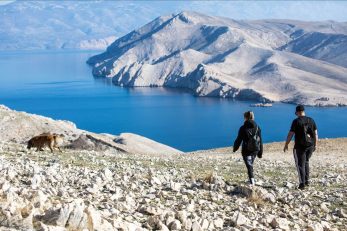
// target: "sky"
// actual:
[[300, 10]]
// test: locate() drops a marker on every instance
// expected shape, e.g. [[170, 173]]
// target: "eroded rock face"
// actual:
[[108, 190]]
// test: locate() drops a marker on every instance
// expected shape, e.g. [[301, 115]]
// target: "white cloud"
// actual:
[[4, 2]]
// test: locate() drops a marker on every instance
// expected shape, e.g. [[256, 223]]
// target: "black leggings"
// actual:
[[249, 160]]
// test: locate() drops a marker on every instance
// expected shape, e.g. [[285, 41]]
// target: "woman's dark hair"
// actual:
[[249, 115]]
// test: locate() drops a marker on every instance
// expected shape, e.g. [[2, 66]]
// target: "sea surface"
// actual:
[[60, 85]]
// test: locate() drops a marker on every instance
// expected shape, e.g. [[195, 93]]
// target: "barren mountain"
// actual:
[[221, 57]]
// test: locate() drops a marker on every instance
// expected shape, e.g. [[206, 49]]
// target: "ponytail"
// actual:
[[249, 115]]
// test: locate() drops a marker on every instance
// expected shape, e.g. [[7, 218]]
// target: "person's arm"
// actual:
[[290, 135], [238, 140], [289, 138], [260, 154], [315, 134], [316, 138]]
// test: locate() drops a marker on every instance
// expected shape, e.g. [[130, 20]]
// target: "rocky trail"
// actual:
[[204, 190]]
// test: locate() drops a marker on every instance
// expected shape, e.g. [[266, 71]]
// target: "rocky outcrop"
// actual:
[[19, 127]]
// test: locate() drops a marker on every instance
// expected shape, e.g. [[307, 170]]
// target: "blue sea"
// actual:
[[60, 85]]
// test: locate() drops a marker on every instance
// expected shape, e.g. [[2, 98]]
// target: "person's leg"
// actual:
[[300, 159], [252, 177], [308, 155], [249, 164]]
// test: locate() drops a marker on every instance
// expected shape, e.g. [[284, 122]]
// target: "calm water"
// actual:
[[60, 85]]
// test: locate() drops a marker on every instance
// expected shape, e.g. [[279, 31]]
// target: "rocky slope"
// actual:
[[269, 60], [109, 190], [128, 182], [19, 127]]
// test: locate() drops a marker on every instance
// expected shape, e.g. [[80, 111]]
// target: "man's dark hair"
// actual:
[[300, 108]]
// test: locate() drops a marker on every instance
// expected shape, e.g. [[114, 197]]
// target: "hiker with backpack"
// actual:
[[306, 137], [250, 137]]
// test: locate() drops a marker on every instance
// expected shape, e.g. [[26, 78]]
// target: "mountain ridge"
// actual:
[[240, 58], [71, 25]]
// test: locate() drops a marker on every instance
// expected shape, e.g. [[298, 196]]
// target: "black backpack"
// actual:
[[253, 142], [307, 139]]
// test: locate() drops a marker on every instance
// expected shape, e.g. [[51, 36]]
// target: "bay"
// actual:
[[60, 85]]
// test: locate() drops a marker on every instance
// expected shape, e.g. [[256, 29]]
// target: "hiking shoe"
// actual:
[[307, 183], [301, 186]]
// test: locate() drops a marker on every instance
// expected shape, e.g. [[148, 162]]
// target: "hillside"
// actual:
[[19, 127], [206, 190], [220, 57]]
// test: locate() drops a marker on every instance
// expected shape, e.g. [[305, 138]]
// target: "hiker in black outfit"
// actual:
[[250, 137], [306, 137]]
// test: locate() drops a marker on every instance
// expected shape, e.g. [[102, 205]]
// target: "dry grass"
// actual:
[[208, 178], [256, 199]]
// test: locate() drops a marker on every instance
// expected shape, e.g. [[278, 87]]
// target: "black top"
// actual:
[[243, 138], [299, 132]]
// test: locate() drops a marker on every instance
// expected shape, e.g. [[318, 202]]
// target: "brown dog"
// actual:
[[45, 139]]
